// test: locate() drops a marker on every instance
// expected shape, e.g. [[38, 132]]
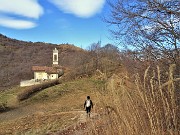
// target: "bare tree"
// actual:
[[94, 49], [149, 24]]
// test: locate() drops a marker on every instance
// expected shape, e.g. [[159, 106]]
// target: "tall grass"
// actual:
[[147, 107]]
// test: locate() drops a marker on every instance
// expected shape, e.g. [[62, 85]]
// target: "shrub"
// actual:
[[29, 91], [3, 106]]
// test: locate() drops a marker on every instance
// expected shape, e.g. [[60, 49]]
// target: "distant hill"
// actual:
[[17, 57]]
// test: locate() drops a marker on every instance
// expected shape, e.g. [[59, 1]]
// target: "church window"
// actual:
[[55, 57]]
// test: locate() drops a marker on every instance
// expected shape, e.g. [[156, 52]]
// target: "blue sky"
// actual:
[[76, 22]]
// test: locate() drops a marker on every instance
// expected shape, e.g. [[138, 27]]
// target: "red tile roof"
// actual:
[[45, 69], [38, 68]]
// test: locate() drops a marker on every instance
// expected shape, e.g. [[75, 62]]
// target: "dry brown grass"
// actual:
[[124, 106], [50, 110], [147, 107]]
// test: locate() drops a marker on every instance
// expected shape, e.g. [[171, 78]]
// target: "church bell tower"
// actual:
[[55, 57]]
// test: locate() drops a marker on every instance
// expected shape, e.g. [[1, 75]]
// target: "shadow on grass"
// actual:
[[7, 109]]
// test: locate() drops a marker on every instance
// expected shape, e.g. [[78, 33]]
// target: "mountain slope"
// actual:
[[17, 58]]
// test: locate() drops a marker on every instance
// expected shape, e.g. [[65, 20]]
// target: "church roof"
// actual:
[[45, 69]]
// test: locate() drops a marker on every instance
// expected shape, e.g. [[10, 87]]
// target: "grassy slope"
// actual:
[[42, 112], [131, 107]]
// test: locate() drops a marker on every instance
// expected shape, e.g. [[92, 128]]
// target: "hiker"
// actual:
[[88, 104]]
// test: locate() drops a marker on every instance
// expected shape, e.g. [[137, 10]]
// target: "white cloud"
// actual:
[[80, 8], [22, 11], [27, 8], [15, 23]]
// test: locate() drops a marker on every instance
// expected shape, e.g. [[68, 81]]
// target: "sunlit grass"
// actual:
[[123, 106], [147, 107]]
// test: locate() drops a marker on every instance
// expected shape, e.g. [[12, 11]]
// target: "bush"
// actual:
[[3, 106], [29, 91]]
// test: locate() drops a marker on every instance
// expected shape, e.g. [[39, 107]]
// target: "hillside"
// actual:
[[17, 58], [120, 107], [51, 110], [130, 96]]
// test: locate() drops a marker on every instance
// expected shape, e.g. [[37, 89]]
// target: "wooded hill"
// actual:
[[18, 57]]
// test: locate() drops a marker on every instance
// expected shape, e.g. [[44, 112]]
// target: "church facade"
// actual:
[[44, 73], [48, 73]]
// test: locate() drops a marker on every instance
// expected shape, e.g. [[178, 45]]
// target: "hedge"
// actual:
[[29, 91]]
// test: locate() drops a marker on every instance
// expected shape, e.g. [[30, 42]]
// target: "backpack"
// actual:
[[88, 103]]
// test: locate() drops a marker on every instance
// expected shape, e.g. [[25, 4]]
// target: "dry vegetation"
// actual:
[[131, 96], [123, 106], [149, 107], [50, 110]]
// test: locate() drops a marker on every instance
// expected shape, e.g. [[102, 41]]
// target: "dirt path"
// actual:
[[16, 113], [79, 128], [28, 117]]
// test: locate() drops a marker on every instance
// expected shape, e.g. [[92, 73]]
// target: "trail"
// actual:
[[79, 128], [38, 117]]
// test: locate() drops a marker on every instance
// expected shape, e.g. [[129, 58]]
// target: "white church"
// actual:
[[44, 73]]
